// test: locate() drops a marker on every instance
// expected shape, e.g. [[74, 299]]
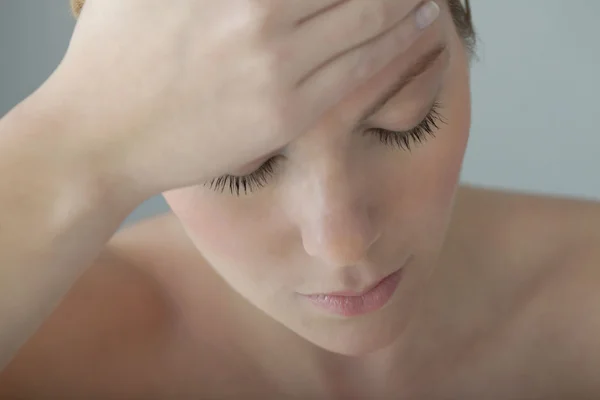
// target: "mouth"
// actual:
[[351, 293], [351, 303]]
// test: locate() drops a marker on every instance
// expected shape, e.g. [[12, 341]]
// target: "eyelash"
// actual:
[[417, 135], [248, 183], [404, 140]]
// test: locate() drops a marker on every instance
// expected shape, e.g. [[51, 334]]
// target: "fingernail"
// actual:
[[427, 14]]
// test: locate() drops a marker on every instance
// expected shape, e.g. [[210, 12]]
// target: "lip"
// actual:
[[350, 304], [350, 293]]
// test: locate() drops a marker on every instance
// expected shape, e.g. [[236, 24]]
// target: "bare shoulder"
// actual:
[[556, 236], [117, 333], [560, 239], [525, 223], [113, 320]]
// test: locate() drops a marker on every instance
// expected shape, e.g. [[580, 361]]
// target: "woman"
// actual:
[[319, 245]]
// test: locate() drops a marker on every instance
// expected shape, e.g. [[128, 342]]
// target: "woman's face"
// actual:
[[346, 204]]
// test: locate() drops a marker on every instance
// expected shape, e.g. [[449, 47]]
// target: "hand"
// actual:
[[183, 90]]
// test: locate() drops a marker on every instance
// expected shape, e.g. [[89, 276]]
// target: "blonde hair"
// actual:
[[76, 6]]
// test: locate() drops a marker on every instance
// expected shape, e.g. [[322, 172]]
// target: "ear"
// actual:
[[76, 6]]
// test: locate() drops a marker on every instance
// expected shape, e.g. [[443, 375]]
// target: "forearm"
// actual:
[[57, 211]]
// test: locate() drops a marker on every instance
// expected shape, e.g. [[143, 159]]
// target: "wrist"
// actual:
[[64, 143]]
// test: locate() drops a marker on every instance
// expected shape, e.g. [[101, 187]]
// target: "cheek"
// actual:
[[442, 164], [441, 170], [428, 182], [442, 161], [222, 229], [423, 199]]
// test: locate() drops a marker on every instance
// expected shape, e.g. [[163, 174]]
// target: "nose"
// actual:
[[339, 239], [338, 225]]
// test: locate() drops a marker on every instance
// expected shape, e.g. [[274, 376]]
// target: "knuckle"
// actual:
[[374, 17], [249, 16], [364, 65], [355, 71], [263, 15], [404, 36]]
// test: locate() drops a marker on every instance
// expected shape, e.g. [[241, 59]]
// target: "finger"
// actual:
[[330, 84], [300, 11], [342, 29], [311, 9]]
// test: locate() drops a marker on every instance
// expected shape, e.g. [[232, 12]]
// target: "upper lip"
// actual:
[[352, 293], [367, 289]]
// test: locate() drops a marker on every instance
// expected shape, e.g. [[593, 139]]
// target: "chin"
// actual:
[[357, 347], [356, 344], [357, 336]]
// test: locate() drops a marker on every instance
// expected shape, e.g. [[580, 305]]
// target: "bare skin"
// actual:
[[526, 285], [497, 302], [75, 155]]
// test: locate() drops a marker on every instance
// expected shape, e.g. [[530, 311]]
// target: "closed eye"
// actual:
[[246, 184], [238, 185], [417, 135]]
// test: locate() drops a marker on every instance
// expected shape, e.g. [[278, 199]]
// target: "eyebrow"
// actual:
[[422, 65]]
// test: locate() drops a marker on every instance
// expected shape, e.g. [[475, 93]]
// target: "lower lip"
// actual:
[[352, 306]]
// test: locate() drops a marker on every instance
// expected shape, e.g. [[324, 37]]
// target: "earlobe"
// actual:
[[76, 6]]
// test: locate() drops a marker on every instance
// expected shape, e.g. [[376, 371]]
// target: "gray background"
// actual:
[[535, 88]]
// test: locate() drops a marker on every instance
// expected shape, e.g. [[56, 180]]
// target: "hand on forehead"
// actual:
[[77, 5]]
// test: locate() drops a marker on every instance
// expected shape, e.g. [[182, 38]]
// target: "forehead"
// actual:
[[354, 106]]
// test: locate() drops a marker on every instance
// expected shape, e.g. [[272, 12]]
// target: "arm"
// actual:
[[57, 210]]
